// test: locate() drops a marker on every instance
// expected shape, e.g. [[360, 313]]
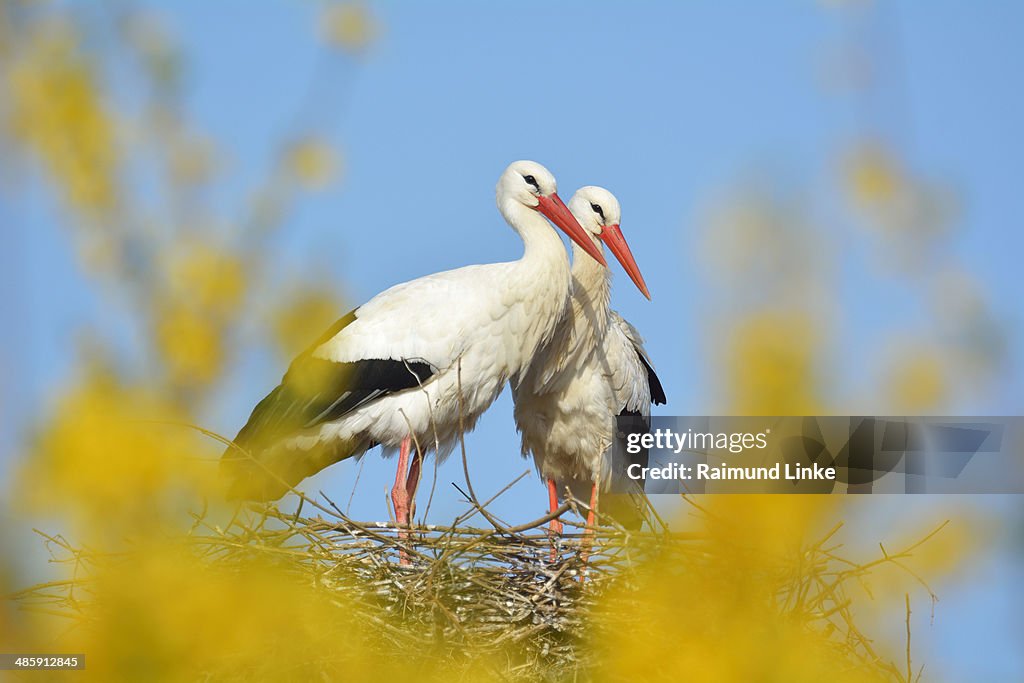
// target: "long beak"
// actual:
[[612, 236], [558, 213]]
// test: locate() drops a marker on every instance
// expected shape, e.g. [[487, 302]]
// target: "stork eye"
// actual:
[[531, 181], [598, 210]]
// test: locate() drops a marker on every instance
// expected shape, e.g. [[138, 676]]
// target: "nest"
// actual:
[[516, 592]]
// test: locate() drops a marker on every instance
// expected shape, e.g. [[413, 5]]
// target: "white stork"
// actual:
[[390, 372], [595, 369]]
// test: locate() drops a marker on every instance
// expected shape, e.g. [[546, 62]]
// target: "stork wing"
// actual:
[[317, 390], [639, 383]]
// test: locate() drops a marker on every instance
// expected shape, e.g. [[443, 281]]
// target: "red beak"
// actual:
[[558, 213], [612, 236]]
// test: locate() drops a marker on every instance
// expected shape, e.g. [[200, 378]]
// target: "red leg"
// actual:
[[412, 482], [588, 535], [400, 497], [593, 506], [555, 525]]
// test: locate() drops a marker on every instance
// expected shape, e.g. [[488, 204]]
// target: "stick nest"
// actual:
[[518, 593]]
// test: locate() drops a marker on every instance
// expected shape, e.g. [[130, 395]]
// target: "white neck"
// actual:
[[583, 327], [543, 246], [541, 281], [592, 289]]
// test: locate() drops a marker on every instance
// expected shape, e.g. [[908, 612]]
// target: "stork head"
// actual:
[[598, 212], [527, 184]]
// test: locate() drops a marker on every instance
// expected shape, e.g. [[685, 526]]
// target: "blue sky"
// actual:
[[666, 105]]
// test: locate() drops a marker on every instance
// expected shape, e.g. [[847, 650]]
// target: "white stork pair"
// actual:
[[423, 360]]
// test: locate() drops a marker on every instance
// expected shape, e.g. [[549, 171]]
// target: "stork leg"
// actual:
[[588, 534], [555, 524], [593, 508], [400, 496], [412, 482]]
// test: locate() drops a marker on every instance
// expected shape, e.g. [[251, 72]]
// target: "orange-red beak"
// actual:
[[558, 213], [612, 236]]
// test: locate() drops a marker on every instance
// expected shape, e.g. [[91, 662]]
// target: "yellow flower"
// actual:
[[303, 317], [57, 113], [348, 26], [872, 176], [917, 382], [190, 344], [206, 277], [312, 162], [746, 603], [161, 613], [771, 360], [112, 456]]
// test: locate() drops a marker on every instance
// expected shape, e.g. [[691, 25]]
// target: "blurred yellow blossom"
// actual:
[[916, 381], [347, 25], [872, 176], [769, 524], [752, 602], [911, 211], [772, 362], [108, 458], [162, 613], [56, 110], [190, 344], [312, 162], [206, 276], [302, 317]]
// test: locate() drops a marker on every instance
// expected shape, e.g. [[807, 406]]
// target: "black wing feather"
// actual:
[[657, 391]]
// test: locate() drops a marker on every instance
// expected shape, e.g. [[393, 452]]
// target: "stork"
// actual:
[[596, 368], [420, 362]]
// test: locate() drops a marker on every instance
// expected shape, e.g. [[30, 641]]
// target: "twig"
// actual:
[[910, 670]]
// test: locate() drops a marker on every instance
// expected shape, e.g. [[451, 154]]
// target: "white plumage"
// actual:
[[594, 369], [390, 371]]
